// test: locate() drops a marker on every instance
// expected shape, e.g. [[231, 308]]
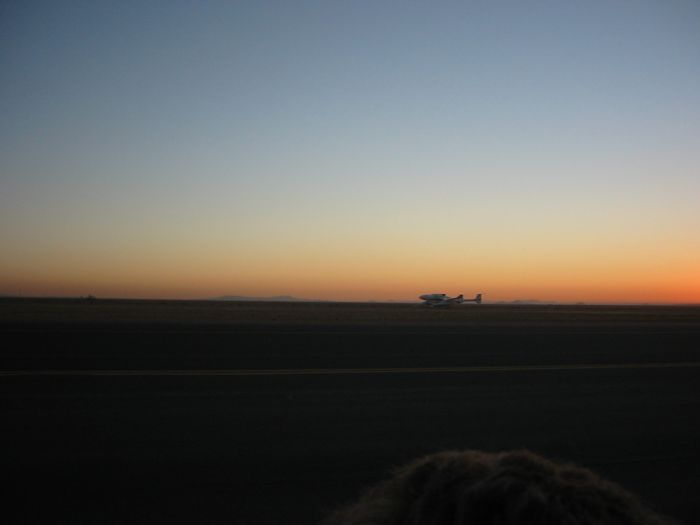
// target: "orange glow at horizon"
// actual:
[[341, 277], [380, 254]]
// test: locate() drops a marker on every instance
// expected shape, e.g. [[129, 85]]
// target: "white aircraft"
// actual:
[[441, 299]]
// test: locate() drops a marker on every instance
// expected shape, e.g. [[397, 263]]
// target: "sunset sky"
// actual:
[[351, 150]]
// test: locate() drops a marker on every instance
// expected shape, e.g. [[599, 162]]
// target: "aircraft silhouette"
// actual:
[[441, 299]]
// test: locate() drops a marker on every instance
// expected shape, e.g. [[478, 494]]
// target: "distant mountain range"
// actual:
[[526, 301], [276, 299], [543, 303]]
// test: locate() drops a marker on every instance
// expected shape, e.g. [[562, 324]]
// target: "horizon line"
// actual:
[[293, 299]]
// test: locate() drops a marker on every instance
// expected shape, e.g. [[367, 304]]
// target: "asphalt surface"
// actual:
[[137, 423]]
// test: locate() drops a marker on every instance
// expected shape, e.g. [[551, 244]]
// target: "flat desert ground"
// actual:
[[124, 411]]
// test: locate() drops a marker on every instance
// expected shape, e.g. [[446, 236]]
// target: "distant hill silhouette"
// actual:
[[276, 298], [526, 301]]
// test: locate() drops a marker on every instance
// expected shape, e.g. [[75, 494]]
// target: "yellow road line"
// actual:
[[343, 371]]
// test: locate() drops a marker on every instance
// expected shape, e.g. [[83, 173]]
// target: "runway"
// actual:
[[149, 424], [341, 371]]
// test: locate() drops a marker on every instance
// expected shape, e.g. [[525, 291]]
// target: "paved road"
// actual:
[[153, 424]]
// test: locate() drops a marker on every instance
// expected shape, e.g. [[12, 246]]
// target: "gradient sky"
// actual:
[[351, 150]]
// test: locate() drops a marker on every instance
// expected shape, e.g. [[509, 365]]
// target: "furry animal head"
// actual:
[[510, 488]]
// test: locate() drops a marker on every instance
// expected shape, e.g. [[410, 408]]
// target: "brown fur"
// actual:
[[510, 488]]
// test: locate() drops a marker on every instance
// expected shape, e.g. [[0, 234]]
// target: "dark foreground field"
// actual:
[[197, 412]]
